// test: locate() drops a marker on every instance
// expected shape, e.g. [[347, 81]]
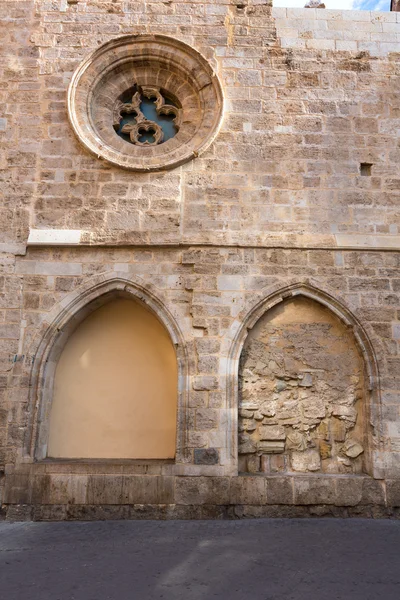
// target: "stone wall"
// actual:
[[296, 201], [285, 168], [376, 33]]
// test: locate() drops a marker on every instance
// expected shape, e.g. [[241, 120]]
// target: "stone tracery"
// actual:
[[141, 124]]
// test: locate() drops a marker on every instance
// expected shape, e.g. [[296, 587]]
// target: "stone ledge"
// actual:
[[119, 489], [55, 237], [76, 237], [368, 241], [77, 512]]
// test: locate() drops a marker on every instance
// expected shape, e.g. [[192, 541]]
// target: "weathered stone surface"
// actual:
[[325, 450], [272, 432], [268, 409], [253, 463], [147, 489], [18, 489], [296, 441], [309, 460], [206, 456], [314, 490], [248, 490], [393, 492], [202, 490], [248, 425], [104, 489], [310, 398], [349, 491], [352, 448], [280, 490], [205, 383], [373, 492], [347, 413], [247, 445], [294, 203], [306, 380], [268, 447]]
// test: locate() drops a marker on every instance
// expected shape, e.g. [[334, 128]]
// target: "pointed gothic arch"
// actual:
[[63, 321], [255, 311]]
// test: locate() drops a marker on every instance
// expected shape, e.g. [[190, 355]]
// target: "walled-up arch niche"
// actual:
[[306, 387], [110, 378]]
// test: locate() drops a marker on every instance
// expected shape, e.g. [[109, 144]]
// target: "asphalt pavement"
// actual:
[[271, 559]]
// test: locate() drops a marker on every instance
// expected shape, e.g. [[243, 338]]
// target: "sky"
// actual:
[[340, 4]]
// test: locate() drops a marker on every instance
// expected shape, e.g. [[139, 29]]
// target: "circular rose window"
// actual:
[[145, 102]]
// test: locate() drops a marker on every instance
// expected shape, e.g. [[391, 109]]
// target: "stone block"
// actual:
[[206, 418], [59, 489], [348, 491], [253, 462], [41, 489], [205, 382], [210, 511], [268, 447], [393, 492], [273, 463], [104, 489], [272, 432], [202, 490], [90, 512], [19, 512], [182, 512], [373, 492], [248, 490], [18, 489], [246, 444], [352, 448], [147, 489], [309, 460], [206, 456], [314, 490], [50, 512], [280, 490]]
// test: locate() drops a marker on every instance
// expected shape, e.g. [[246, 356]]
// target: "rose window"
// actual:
[[145, 102]]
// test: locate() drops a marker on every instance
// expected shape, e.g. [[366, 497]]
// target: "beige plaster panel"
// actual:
[[115, 391]]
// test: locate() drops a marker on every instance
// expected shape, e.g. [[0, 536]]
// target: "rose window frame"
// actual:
[[179, 79]]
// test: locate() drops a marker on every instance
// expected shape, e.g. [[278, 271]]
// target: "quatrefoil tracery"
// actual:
[[143, 125]]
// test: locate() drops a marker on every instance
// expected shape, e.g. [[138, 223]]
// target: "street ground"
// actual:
[[271, 559]]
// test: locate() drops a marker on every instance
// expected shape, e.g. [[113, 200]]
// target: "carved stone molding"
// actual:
[[179, 81]]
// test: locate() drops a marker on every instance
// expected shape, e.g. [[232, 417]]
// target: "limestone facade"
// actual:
[[271, 258]]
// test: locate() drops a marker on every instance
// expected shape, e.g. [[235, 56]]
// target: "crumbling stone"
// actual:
[[272, 432], [302, 384], [309, 460], [352, 448]]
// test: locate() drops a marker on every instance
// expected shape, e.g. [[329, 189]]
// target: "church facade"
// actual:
[[200, 260]]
